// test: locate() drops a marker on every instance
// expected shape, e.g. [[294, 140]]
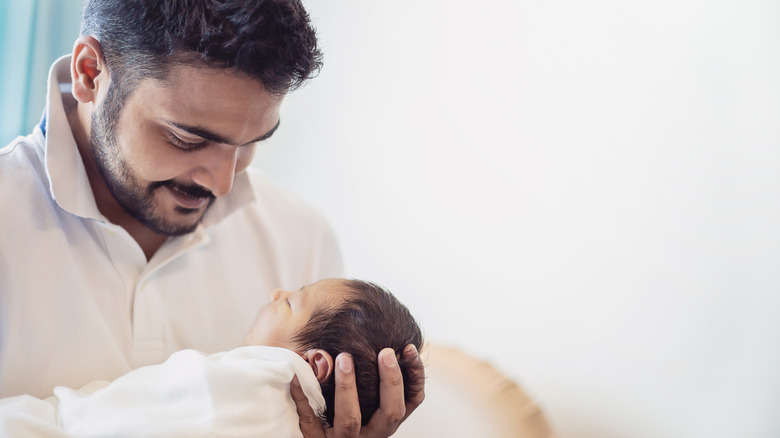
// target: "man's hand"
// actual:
[[393, 409]]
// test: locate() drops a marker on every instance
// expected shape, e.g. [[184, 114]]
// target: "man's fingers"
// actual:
[[416, 393], [311, 426], [346, 421], [392, 409]]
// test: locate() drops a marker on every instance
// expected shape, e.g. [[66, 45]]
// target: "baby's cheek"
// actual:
[[256, 333]]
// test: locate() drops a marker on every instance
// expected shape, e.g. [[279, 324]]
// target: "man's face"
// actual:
[[289, 311], [174, 146]]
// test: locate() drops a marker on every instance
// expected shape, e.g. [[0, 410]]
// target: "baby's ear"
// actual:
[[321, 363]]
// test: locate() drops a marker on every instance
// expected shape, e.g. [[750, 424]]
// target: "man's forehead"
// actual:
[[222, 106]]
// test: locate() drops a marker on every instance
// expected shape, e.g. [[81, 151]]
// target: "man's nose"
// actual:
[[218, 170]]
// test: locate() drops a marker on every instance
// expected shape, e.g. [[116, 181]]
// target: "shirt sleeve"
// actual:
[[25, 415]]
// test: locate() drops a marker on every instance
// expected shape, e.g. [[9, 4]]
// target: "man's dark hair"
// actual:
[[370, 320], [271, 41]]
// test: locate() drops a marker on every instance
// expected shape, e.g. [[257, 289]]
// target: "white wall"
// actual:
[[586, 193]]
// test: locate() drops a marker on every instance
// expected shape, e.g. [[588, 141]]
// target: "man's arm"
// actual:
[[393, 409]]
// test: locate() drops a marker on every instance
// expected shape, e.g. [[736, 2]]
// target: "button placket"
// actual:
[[149, 308]]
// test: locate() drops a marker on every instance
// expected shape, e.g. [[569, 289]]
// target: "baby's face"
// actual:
[[289, 311]]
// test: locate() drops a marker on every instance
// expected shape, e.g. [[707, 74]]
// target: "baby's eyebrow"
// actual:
[[301, 297]]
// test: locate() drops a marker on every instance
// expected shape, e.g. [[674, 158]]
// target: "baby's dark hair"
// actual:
[[370, 320]]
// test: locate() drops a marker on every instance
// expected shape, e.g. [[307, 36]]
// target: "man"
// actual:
[[131, 227]]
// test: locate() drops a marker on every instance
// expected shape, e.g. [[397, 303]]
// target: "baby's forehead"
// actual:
[[329, 293]]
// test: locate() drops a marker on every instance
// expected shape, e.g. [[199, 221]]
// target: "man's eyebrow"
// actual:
[[212, 136]]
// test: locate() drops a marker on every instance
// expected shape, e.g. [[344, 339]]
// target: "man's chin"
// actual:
[[181, 230], [186, 224], [173, 220]]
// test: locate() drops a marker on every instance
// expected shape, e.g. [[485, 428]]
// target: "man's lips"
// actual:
[[186, 200]]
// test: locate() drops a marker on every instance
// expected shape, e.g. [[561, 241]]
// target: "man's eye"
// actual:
[[181, 144], [287, 300]]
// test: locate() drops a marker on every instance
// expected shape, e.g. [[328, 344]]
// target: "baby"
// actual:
[[333, 316], [243, 392]]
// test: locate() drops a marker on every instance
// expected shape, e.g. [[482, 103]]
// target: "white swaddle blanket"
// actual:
[[240, 393]]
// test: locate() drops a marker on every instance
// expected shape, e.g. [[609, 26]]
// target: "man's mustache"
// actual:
[[193, 190]]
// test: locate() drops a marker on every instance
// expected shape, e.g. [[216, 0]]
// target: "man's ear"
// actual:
[[321, 363], [87, 69]]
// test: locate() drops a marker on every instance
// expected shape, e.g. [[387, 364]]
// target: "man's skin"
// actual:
[[181, 144], [392, 408]]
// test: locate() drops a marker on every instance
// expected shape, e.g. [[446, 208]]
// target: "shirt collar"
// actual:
[[68, 181]]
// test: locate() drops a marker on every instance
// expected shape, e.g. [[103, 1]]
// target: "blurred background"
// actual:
[[584, 193]]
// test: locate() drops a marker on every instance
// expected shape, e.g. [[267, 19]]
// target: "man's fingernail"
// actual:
[[345, 362], [295, 381], [389, 358], [411, 349]]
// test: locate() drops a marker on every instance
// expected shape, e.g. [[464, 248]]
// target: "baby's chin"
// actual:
[[251, 340]]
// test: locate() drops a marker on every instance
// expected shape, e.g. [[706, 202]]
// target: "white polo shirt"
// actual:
[[78, 299]]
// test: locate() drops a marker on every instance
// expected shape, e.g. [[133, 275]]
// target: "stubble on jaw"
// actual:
[[137, 200]]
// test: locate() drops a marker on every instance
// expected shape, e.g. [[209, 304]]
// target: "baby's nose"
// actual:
[[278, 293]]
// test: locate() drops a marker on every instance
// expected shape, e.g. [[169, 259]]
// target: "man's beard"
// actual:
[[132, 196]]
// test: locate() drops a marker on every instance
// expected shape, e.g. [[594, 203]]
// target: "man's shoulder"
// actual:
[[22, 164], [21, 150], [285, 232], [273, 199]]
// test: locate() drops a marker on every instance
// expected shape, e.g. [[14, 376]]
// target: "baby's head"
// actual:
[[341, 316]]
